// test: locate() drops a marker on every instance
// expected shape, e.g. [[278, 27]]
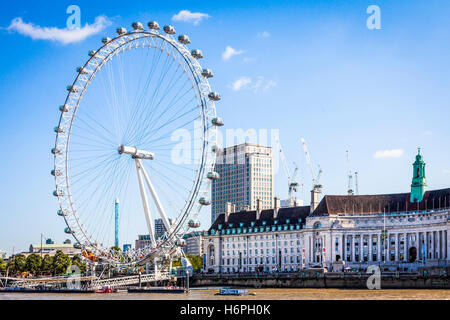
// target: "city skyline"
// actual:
[[310, 70]]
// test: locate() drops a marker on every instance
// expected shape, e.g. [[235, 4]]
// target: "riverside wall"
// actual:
[[394, 280]]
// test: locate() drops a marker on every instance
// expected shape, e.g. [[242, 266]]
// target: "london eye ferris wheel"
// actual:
[[139, 124]]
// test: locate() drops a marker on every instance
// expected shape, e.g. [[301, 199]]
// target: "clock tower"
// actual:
[[419, 183]]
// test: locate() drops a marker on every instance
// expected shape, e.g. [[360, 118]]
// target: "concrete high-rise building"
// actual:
[[246, 175]]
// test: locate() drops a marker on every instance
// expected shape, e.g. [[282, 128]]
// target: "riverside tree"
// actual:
[[61, 262], [33, 263], [2, 266]]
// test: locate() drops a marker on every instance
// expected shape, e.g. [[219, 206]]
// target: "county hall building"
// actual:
[[394, 231]]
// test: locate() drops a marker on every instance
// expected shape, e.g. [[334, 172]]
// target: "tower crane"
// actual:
[[356, 183], [292, 179], [315, 179], [350, 176]]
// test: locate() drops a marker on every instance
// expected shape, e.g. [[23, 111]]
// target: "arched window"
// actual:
[[317, 225], [418, 172]]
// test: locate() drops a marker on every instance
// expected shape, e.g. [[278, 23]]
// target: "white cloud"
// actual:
[[446, 171], [264, 34], [230, 52], [385, 154], [191, 17], [241, 83], [64, 36], [248, 83]]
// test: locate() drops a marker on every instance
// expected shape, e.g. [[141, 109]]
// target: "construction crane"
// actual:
[[315, 179], [350, 176], [356, 184], [292, 179]]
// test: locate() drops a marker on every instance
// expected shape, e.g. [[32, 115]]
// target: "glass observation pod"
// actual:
[[59, 130], [64, 108], [194, 224], [68, 231], [184, 39], [213, 176], [180, 242], [82, 70], [56, 151], [77, 246], [72, 89], [218, 122], [92, 53], [58, 193], [56, 173], [197, 54], [62, 213], [214, 96], [204, 202], [215, 148], [137, 26], [106, 40], [169, 30], [153, 25], [207, 73], [121, 31]]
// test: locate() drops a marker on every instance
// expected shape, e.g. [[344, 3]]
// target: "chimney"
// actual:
[[258, 208], [228, 211], [276, 207], [315, 198]]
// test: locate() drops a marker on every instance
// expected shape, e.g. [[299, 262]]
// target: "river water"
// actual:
[[261, 294]]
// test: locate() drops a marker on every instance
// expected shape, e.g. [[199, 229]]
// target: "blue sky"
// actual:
[[312, 69]]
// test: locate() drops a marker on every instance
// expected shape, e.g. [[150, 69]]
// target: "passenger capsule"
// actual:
[[121, 31], [204, 202], [207, 73], [214, 96], [169, 30], [215, 148], [153, 25], [58, 193], [77, 246], [68, 231], [197, 54], [92, 53], [106, 40], [213, 176], [56, 151], [137, 26], [59, 130], [82, 70], [180, 242], [184, 39], [218, 122], [194, 224], [56, 173], [64, 108], [72, 89], [62, 213]]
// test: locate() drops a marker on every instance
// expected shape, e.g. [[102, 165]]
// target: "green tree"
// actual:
[[17, 264], [61, 262], [47, 265], [76, 261], [196, 261], [2, 266], [33, 263]]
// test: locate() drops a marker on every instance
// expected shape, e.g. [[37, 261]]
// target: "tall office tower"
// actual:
[[160, 229], [246, 175]]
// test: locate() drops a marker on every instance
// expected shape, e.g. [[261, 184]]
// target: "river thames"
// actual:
[[261, 294]]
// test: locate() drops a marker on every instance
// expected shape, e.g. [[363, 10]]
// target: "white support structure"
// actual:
[[148, 218], [155, 197]]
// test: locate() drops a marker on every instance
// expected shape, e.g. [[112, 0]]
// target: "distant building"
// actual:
[[286, 203], [49, 241], [194, 243], [67, 241], [160, 229], [402, 231], [143, 241], [4, 255], [51, 249], [246, 175]]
